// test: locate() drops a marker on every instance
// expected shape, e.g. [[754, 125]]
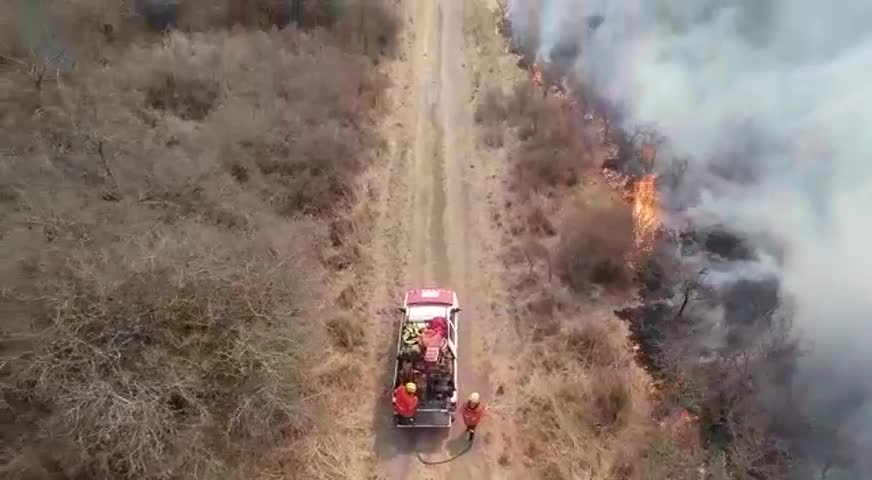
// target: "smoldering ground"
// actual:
[[768, 100]]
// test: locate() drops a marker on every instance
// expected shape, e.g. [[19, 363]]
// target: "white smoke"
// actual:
[[779, 89]]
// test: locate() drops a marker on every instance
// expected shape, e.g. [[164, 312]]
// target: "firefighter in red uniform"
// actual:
[[473, 410], [405, 402]]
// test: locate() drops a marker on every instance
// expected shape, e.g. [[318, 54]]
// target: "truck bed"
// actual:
[[430, 418], [433, 411]]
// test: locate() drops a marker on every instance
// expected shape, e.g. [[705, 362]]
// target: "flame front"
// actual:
[[646, 220], [536, 74]]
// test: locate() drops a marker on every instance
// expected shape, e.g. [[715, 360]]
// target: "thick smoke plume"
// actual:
[[769, 101]]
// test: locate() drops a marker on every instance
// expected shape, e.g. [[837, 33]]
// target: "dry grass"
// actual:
[[346, 331], [595, 241], [164, 202], [584, 404], [582, 400], [586, 410], [167, 351], [662, 453], [362, 26]]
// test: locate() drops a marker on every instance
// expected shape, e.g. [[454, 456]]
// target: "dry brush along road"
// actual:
[[434, 229]]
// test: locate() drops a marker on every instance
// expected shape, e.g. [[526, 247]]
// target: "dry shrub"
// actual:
[[545, 327], [264, 14], [142, 353], [346, 331], [524, 103], [594, 242], [552, 156], [79, 31], [569, 409], [492, 136], [187, 98], [492, 109], [583, 397], [656, 455], [339, 229], [158, 311], [292, 117], [612, 399], [599, 402], [538, 221], [595, 345], [543, 305], [552, 471], [366, 27], [554, 147]]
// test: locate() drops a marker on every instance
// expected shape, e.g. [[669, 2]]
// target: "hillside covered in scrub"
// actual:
[[172, 176]]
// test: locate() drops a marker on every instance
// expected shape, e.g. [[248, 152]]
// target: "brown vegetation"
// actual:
[[584, 403], [583, 394], [552, 151], [164, 199], [594, 244], [580, 398]]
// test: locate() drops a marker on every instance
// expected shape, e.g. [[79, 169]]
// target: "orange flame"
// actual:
[[536, 72], [646, 219]]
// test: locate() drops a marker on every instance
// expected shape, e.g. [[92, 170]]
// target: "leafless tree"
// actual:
[[691, 290], [647, 140]]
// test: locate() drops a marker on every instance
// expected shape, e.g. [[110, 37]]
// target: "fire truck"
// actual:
[[427, 355]]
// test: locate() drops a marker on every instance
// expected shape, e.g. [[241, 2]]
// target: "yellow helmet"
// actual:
[[411, 387], [473, 397]]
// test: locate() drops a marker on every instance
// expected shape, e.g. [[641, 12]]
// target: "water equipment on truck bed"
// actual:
[[427, 356]]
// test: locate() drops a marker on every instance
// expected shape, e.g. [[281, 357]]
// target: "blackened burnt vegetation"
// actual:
[[169, 176], [726, 352]]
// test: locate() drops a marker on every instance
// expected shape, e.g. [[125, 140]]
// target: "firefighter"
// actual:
[[405, 402], [473, 410]]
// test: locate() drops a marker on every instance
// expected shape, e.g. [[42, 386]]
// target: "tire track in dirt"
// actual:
[[428, 185], [468, 235], [434, 230], [409, 244]]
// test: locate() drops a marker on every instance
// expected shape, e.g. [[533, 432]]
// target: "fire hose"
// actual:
[[468, 447], [449, 459]]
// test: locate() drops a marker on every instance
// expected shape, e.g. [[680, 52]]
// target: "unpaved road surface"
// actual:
[[434, 229]]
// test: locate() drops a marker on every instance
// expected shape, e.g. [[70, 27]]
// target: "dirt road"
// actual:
[[434, 230]]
